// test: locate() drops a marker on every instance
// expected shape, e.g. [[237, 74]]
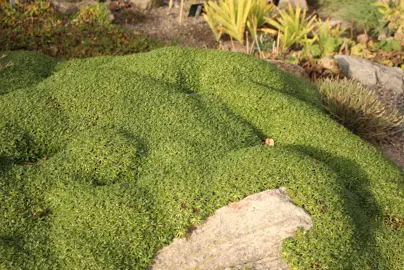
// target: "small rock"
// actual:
[[246, 234], [362, 38]]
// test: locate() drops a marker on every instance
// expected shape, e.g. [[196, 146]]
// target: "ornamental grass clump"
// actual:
[[359, 109], [235, 17], [292, 27]]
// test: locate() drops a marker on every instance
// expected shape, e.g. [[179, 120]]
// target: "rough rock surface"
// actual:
[[243, 234], [295, 3], [372, 74], [146, 4]]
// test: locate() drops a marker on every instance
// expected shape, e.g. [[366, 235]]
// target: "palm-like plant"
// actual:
[[292, 27], [228, 17], [234, 17]]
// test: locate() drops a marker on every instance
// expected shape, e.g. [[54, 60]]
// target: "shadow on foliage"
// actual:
[[27, 70], [5, 164], [203, 105], [15, 243], [358, 202], [312, 98]]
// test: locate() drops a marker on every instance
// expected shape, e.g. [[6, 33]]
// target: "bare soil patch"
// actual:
[[163, 24]]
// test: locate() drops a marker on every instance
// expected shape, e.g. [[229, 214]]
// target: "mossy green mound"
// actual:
[[108, 159], [32, 69]]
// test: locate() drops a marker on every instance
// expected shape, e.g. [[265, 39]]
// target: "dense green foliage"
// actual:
[[106, 160], [36, 26], [31, 73]]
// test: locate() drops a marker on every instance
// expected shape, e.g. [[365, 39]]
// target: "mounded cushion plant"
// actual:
[[107, 159]]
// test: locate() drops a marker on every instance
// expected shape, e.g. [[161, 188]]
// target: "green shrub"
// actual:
[[358, 109], [393, 15], [328, 39], [93, 15], [35, 26], [131, 151]]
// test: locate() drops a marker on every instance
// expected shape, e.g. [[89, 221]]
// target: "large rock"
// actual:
[[248, 234], [371, 74], [295, 3]]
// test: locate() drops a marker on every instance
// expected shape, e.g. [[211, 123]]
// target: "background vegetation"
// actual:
[[36, 26], [295, 35]]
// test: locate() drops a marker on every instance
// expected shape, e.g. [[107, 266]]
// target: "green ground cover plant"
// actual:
[[103, 161]]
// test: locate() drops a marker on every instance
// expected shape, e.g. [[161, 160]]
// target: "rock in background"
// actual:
[[248, 234], [387, 82], [370, 73]]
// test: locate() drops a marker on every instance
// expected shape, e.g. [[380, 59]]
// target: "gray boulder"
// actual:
[[371, 74], [246, 234]]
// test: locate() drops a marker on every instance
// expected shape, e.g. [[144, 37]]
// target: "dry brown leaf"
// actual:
[[269, 142]]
